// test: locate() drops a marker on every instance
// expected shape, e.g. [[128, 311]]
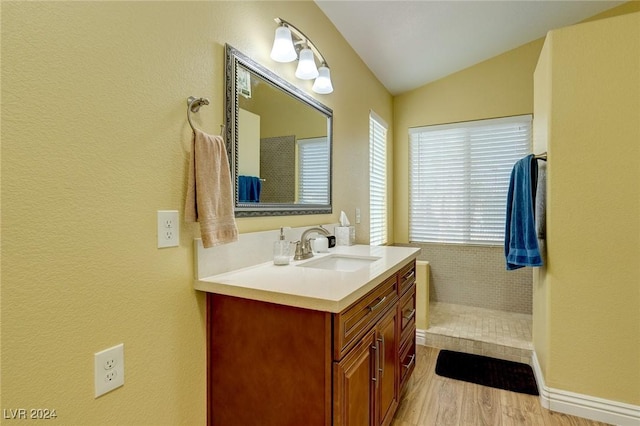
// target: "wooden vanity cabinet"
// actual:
[[271, 364]]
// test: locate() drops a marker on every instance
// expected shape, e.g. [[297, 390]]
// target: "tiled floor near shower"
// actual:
[[498, 334]]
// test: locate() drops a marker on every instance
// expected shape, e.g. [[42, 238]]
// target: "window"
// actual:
[[313, 171], [459, 178], [377, 180]]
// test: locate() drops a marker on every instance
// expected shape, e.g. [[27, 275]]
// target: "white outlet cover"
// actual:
[[168, 228], [109, 369]]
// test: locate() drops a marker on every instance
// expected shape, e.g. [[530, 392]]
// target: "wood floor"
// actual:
[[434, 400]]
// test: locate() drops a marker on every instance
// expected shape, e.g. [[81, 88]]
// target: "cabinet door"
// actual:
[[387, 390], [354, 384]]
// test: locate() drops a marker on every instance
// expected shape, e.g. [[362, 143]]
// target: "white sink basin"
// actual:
[[340, 262]]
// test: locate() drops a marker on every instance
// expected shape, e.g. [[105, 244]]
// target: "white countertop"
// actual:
[[311, 288]]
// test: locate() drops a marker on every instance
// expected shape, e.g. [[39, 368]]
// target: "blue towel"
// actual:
[[520, 237], [249, 188]]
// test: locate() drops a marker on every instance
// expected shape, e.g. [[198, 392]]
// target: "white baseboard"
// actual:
[[586, 406], [420, 337]]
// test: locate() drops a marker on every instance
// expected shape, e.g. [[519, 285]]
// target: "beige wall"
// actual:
[[587, 303], [282, 114], [94, 141]]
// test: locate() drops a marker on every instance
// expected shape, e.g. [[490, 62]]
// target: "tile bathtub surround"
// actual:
[[476, 276], [498, 334]]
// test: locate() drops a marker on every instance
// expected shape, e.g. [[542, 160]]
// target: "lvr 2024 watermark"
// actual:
[[29, 413]]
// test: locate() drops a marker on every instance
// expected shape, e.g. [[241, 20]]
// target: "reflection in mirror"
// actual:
[[279, 141]]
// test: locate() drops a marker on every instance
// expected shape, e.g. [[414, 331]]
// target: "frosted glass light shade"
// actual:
[[323, 85], [283, 50], [306, 65]]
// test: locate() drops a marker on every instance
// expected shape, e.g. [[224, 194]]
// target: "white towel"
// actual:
[[209, 198]]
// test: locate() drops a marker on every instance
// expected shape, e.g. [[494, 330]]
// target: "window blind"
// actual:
[[377, 180], [313, 171], [459, 178]]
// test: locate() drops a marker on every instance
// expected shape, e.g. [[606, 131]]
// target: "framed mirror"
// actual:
[[279, 142]]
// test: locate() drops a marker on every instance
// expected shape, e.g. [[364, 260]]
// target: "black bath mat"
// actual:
[[482, 370]]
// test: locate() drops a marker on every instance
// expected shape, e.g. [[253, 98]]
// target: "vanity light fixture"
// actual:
[[289, 44]]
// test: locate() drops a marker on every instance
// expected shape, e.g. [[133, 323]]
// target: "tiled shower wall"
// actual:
[[476, 276], [278, 169]]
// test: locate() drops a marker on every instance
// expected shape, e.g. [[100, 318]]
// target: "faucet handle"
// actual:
[[298, 254], [308, 244]]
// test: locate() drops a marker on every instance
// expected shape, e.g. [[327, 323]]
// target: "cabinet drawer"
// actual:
[[353, 322], [407, 361], [406, 277], [407, 307]]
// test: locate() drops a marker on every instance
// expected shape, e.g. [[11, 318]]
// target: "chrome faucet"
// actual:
[[303, 247]]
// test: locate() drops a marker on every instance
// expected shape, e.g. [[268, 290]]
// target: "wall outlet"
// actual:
[[168, 228], [108, 369], [357, 215]]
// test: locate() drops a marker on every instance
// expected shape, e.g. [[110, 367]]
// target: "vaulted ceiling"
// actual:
[[407, 44]]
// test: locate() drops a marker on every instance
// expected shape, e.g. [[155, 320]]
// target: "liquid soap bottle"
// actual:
[[281, 250]]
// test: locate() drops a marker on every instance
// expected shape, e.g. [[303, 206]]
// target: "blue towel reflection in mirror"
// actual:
[[249, 188]]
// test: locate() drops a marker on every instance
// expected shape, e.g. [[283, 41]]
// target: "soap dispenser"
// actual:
[[281, 250]]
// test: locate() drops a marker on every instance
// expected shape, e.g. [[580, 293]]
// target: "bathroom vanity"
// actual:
[[330, 340]]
